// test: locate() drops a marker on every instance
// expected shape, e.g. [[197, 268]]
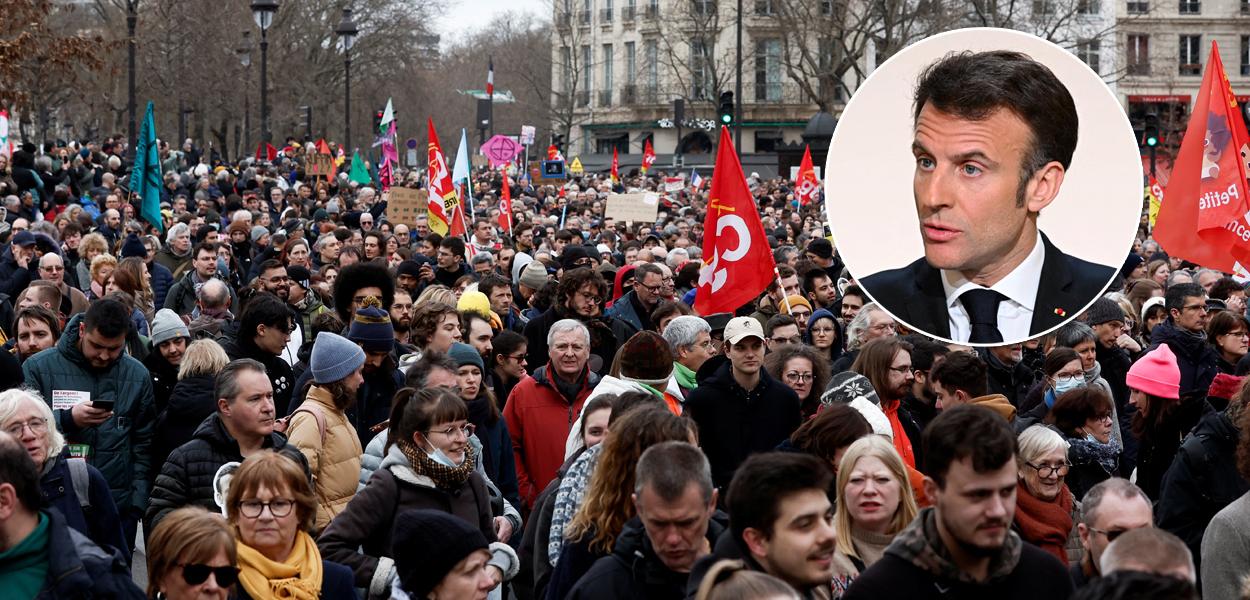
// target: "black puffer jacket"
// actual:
[[1196, 358], [281, 377], [164, 377], [187, 477], [634, 571], [189, 404]]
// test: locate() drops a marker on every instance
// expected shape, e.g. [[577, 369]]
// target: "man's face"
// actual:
[[569, 353], [480, 336], [1207, 280], [402, 234], [631, 255], [181, 242], [482, 232], [947, 398], [783, 336], [1107, 333], [401, 311], [423, 227], [447, 260], [649, 288], [206, 263], [1010, 355], [501, 300], [880, 324], [1192, 316], [1115, 515], [371, 247], [823, 293], [251, 412], [33, 335], [173, 350], [975, 510], [366, 222], [52, 268], [967, 189], [483, 269], [698, 353], [900, 375], [586, 301], [276, 282], [746, 356], [850, 307], [330, 249], [678, 528], [800, 550], [100, 351]]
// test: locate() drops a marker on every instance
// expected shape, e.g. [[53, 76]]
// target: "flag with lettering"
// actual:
[[806, 187], [444, 213], [616, 168], [1204, 219], [737, 262], [1154, 195], [505, 204], [648, 157]]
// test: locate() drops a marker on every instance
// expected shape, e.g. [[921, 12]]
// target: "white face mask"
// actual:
[[441, 458]]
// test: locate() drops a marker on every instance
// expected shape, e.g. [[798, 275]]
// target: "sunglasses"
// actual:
[[197, 574]]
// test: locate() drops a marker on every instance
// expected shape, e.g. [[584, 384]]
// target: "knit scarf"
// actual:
[[901, 442], [685, 377], [1045, 523], [296, 578], [443, 476]]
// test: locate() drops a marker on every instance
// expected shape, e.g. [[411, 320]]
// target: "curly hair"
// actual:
[[775, 364], [608, 506], [361, 275], [575, 279], [426, 320]]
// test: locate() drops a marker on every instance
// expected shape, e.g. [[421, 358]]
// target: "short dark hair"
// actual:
[[776, 321], [1137, 585], [263, 309], [647, 268], [202, 246], [763, 481], [453, 244], [835, 427], [226, 385], [1225, 287], [975, 85], [854, 290], [108, 317], [270, 265], [1074, 408], [490, 282], [783, 271], [670, 467], [962, 371], [1174, 297], [811, 275], [38, 313], [925, 352], [18, 470], [967, 431]]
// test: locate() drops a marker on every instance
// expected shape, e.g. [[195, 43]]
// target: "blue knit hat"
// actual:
[[371, 327], [465, 354], [133, 247], [334, 357]]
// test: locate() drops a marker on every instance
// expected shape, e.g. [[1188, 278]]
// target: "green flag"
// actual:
[[145, 175], [359, 172]]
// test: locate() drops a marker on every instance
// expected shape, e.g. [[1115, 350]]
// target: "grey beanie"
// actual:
[[258, 232], [534, 276], [167, 325], [519, 262], [334, 357]]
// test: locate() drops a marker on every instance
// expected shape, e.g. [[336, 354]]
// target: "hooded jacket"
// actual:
[[333, 461], [187, 477], [997, 403], [121, 446], [79, 569], [539, 418], [634, 571], [191, 402], [1196, 358], [918, 565]]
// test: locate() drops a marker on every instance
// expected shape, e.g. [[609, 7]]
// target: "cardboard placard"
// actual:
[[674, 184], [406, 205], [633, 208], [478, 161], [320, 165]]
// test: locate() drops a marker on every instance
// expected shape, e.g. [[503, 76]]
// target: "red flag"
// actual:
[[552, 152], [737, 263], [266, 152], [445, 216], [616, 172], [505, 205], [1204, 220], [807, 186], [648, 156], [324, 148]]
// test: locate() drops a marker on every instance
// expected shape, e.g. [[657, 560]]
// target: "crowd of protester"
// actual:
[[284, 394]]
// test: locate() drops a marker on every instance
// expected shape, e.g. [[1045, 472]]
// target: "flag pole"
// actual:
[[785, 300]]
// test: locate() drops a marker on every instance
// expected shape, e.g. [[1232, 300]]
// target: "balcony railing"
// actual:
[[629, 13], [605, 15], [583, 98], [629, 94], [605, 97], [583, 17], [652, 12], [1191, 68]]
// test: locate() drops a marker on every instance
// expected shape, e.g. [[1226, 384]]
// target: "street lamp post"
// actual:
[[348, 31], [244, 51], [262, 13], [132, 17]]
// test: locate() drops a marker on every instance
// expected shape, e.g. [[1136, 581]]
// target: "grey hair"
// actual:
[[214, 294], [676, 257], [11, 401], [1205, 271], [1038, 441], [483, 258], [1120, 487], [176, 231], [860, 324], [683, 331], [1178, 273], [670, 467], [565, 325], [227, 385], [1074, 333], [43, 162], [1148, 549], [321, 241]]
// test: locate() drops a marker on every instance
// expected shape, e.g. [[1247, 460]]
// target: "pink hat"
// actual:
[[1156, 373]]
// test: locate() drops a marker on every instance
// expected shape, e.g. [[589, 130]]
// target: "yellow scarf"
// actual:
[[299, 578]]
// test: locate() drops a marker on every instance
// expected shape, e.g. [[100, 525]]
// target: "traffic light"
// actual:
[[377, 120], [557, 140], [1150, 135], [726, 108]]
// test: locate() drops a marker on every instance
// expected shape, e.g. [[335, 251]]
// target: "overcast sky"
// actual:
[[467, 15]]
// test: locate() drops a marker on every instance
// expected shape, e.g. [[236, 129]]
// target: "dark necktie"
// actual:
[[982, 307]]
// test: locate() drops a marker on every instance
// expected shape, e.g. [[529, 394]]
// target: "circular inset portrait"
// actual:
[[984, 186]]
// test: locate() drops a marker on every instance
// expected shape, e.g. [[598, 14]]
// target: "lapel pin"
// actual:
[[1061, 312]]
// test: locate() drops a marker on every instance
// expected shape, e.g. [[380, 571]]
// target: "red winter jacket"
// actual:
[[539, 419]]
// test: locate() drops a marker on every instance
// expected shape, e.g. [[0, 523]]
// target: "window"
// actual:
[[704, 8], [1138, 54], [1191, 55], [701, 76], [1087, 51], [605, 94], [566, 67], [1043, 7], [605, 14], [586, 76], [1088, 7], [631, 63], [1245, 55], [764, 8], [1190, 7], [651, 48], [1138, 7], [768, 71], [826, 7]]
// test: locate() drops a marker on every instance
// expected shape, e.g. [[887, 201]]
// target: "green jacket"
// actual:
[[119, 446]]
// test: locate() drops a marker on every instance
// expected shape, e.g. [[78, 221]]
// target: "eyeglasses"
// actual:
[[590, 297], [467, 429], [902, 370], [517, 357], [197, 574], [1199, 307], [651, 288], [799, 377], [37, 426], [884, 327], [1049, 470], [52, 269], [1110, 533], [278, 507]]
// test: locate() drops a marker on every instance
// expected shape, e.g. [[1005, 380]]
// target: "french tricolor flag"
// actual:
[[490, 78], [695, 180]]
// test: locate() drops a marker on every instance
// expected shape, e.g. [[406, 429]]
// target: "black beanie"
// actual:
[[433, 543], [133, 247]]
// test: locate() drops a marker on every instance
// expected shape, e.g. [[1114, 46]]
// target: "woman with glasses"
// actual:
[[875, 503], [1061, 372], [1083, 416], [72, 486], [509, 350], [487, 421], [824, 334], [272, 507], [803, 370], [192, 556], [429, 464], [1046, 510], [1229, 334], [1162, 418]]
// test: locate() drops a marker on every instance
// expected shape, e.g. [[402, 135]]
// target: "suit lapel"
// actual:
[[1055, 301], [926, 307]]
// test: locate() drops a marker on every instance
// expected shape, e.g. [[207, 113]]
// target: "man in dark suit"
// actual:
[[994, 136]]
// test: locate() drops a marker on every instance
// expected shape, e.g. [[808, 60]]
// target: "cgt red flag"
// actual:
[[616, 168], [737, 263], [807, 186], [648, 157], [505, 205], [1204, 219]]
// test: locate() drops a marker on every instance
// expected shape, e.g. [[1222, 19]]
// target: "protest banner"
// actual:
[[633, 208], [406, 205]]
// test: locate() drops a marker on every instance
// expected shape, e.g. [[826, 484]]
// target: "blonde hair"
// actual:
[[11, 402], [733, 580], [189, 535], [203, 357], [880, 448], [435, 293], [101, 261], [92, 241]]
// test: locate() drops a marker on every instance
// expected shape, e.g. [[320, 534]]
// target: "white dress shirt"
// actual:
[[1015, 314]]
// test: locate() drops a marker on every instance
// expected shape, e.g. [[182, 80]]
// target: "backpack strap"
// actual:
[[81, 480], [318, 416]]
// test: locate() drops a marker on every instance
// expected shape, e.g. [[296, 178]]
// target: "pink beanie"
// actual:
[[1156, 373]]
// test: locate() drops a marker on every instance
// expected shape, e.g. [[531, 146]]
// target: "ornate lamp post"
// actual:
[[348, 31], [262, 13]]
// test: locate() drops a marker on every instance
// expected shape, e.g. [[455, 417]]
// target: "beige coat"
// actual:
[[335, 464]]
